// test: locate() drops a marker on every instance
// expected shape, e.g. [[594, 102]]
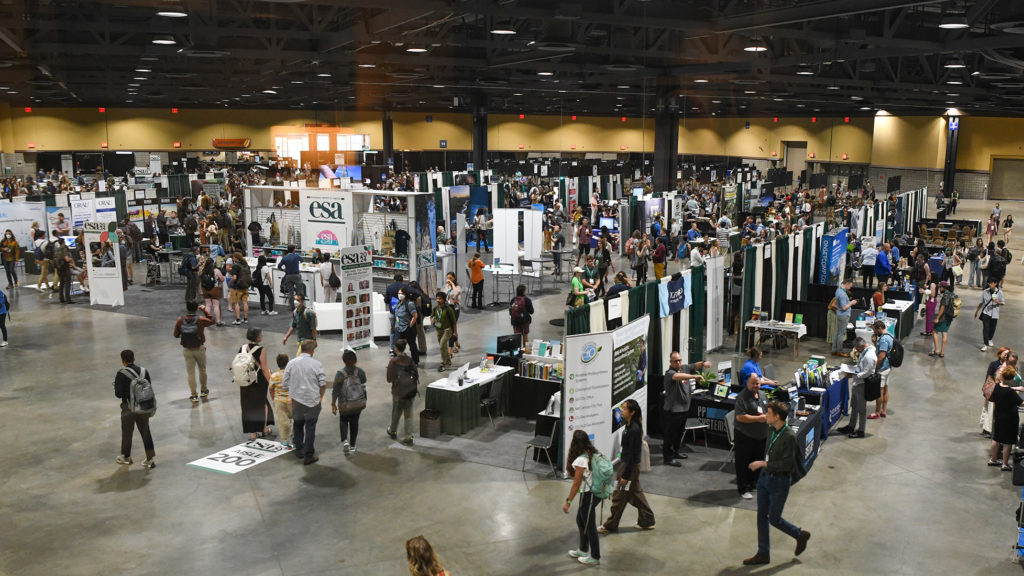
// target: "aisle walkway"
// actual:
[[914, 497]]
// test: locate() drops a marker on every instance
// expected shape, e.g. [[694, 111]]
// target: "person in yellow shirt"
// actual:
[[282, 403]]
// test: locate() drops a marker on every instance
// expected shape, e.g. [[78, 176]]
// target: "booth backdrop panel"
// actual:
[[506, 236], [577, 320], [747, 297], [697, 312], [781, 286], [716, 294]]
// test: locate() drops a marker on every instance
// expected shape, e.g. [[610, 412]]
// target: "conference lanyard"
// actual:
[[771, 442]]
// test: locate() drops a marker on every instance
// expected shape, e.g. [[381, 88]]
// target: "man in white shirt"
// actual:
[[305, 381], [866, 361], [988, 310], [697, 255]]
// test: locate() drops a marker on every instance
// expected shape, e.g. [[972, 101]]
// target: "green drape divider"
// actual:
[[747, 298], [637, 302], [577, 321], [653, 310], [781, 256], [501, 197], [447, 179], [698, 312], [808, 262], [735, 241]]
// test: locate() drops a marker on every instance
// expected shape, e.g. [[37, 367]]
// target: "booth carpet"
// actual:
[[699, 480]]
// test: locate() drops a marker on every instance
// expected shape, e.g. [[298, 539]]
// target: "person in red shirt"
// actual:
[[190, 330], [476, 277], [658, 258]]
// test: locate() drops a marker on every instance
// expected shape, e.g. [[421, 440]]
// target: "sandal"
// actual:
[[932, 354], [941, 355], [1007, 468], [995, 462]]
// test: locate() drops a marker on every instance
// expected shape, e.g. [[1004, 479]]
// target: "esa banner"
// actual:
[[603, 370], [357, 295], [325, 219]]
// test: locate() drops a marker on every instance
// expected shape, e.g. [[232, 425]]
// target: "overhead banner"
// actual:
[[357, 294], [241, 457], [603, 370], [325, 219], [105, 285]]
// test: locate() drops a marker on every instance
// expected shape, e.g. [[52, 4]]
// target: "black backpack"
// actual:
[[895, 356], [997, 266], [48, 250], [209, 281], [243, 278], [190, 332], [333, 281]]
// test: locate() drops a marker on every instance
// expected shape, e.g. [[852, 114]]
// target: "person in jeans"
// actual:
[[292, 280], [677, 405], [390, 300], [446, 325], [843, 310], [190, 329], [264, 284], [63, 263], [282, 403], [988, 309], [773, 487], [191, 266], [349, 421], [750, 433], [580, 452], [305, 382], [866, 363], [406, 318], [628, 489], [44, 263], [400, 405], [476, 278], [130, 420]]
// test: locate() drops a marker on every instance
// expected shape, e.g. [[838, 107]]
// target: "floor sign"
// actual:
[[241, 457]]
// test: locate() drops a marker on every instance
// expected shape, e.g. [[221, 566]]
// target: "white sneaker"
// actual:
[[578, 554], [263, 312], [991, 343], [272, 313], [345, 447], [747, 496], [122, 460], [3, 344], [351, 449], [588, 561], [149, 463], [984, 348]]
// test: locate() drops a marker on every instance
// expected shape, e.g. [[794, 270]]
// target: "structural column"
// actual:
[[388, 137], [479, 157], [949, 168], [666, 146]]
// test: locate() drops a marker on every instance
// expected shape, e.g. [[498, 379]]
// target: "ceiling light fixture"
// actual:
[[832, 87], [503, 30], [805, 72], [143, 70], [367, 65], [750, 92], [954, 64], [954, 22], [756, 45], [172, 14], [954, 82], [164, 40], [623, 86], [324, 75], [416, 49], [140, 78], [701, 81], [545, 73], [269, 92]]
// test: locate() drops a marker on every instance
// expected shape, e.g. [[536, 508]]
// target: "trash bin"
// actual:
[[430, 424], [30, 263]]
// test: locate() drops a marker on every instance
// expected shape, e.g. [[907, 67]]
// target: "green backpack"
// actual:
[[602, 476]]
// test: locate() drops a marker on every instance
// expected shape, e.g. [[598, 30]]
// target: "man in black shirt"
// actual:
[[773, 486], [750, 434], [129, 419], [557, 244], [677, 405]]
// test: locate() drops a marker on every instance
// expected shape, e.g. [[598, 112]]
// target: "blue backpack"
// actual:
[[602, 476]]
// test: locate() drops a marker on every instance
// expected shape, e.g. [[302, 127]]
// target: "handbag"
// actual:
[[985, 261], [834, 304], [352, 407], [873, 387]]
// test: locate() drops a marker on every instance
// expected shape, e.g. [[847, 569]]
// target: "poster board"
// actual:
[[106, 210], [603, 370], [357, 295], [104, 282], [19, 216], [82, 211], [325, 219]]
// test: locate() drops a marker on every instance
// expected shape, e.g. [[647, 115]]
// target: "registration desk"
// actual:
[[459, 406]]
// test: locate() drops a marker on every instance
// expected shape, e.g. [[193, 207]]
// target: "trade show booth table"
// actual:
[[773, 327], [459, 406], [834, 402]]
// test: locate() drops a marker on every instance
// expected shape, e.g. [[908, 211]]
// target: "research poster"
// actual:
[[357, 295]]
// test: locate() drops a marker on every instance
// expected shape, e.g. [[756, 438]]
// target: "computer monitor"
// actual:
[[510, 343], [69, 241], [611, 223]]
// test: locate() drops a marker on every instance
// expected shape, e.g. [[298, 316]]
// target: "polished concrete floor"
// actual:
[[914, 497]]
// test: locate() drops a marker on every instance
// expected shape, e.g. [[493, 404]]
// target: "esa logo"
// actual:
[[331, 210], [590, 351]]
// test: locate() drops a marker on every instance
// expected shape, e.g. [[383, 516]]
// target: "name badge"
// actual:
[[760, 410]]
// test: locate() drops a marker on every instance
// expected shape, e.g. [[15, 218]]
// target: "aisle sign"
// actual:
[[357, 295], [241, 457]]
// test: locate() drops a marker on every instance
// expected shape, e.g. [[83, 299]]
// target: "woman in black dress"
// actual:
[[1005, 418], [257, 415]]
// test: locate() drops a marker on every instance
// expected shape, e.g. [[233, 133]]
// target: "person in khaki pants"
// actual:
[[445, 325], [627, 488], [189, 329]]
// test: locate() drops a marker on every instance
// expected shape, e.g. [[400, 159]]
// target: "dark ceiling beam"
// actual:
[[809, 11]]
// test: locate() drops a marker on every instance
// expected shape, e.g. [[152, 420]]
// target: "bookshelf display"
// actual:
[[538, 376]]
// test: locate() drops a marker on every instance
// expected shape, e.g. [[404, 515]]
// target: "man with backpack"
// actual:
[[241, 280], [403, 376], [996, 264], [303, 322], [133, 385], [190, 329], [305, 381], [521, 312], [42, 248], [885, 351], [444, 320]]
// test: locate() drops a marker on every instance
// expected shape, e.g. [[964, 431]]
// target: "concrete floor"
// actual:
[[914, 497]]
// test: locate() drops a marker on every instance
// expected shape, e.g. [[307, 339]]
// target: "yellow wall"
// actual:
[[413, 132], [6, 129], [730, 137], [158, 129], [982, 138], [560, 133], [909, 141]]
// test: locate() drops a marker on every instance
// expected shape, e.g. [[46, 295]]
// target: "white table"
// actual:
[[774, 327], [507, 271]]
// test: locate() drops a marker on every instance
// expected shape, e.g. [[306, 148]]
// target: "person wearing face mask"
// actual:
[[406, 319], [303, 322], [10, 253]]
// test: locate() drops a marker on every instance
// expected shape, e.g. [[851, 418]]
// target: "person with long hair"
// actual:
[[264, 284], [580, 453], [453, 292], [628, 489], [10, 253], [1005, 418], [211, 281], [422, 559], [257, 413]]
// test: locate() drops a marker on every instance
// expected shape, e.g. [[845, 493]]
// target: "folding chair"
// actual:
[[545, 443], [730, 433]]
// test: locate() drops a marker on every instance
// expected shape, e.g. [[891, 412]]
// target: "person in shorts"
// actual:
[[943, 318], [883, 345]]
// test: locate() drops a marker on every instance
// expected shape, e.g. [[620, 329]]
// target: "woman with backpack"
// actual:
[[582, 459], [211, 282], [326, 273], [348, 399], [264, 284], [257, 414]]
